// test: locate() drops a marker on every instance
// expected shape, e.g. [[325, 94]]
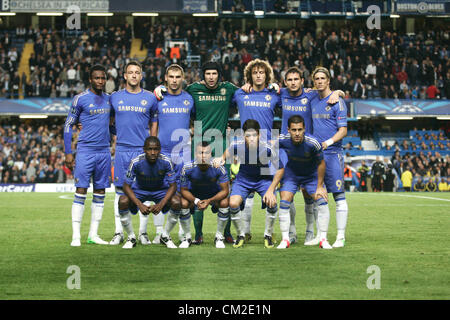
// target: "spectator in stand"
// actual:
[[419, 185], [443, 186]]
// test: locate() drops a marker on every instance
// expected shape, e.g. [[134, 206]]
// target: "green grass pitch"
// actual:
[[405, 235]]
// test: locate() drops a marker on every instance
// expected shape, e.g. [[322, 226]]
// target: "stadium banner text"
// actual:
[[402, 107], [43, 187], [422, 7], [186, 6], [57, 6]]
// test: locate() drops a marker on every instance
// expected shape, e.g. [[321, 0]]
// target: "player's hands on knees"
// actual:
[[69, 161], [145, 210], [156, 208], [321, 192], [217, 162], [203, 204], [270, 199], [159, 92], [247, 87]]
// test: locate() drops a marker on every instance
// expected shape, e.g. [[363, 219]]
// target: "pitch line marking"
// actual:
[[404, 195]]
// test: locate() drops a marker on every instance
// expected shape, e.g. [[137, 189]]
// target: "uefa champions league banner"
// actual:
[[402, 107], [49, 106]]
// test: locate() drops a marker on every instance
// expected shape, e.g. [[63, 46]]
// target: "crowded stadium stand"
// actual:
[[396, 78]]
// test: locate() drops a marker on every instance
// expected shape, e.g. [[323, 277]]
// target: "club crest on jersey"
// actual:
[[186, 102], [144, 102], [223, 91], [304, 101], [268, 97], [328, 108]]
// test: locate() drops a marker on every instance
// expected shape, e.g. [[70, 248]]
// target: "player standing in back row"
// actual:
[[212, 99], [90, 108], [172, 117], [330, 127], [258, 104], [131, 115]]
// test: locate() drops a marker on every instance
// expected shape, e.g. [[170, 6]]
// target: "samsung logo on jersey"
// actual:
[[321, 116], [257, 104], [98, 111], [212, 98], [175, 110], [295, 108], [132, 108]]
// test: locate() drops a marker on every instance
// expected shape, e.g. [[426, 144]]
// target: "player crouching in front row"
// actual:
[[203, 185], [150, 177], [254, 175]]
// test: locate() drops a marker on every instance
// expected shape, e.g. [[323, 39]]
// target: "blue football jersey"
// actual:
[[142, 175], [93, 112], [303, 158], [327, 119], [201, 182], [259, 106], [256, 164], [132, 112], [300, 105], [173, 114]]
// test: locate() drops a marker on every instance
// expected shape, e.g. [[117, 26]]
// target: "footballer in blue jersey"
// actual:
[[260, 103], [297, 101], [150, 177], [131, 119], [93, 159], [202, 185], [255, 175], [305, 168], [330, 127]]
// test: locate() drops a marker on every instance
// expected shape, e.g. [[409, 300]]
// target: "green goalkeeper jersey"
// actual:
[[212, 106]]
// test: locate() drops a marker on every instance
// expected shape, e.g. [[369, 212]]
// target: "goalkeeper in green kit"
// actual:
[[212, 99]]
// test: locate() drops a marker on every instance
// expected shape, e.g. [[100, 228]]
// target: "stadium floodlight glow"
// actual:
[[33, 116], [443, 117], [259, 13], [7, 13], [394, 16], [145, 14], [53, 14], [100, 14], [399, 118], [207, 14]]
